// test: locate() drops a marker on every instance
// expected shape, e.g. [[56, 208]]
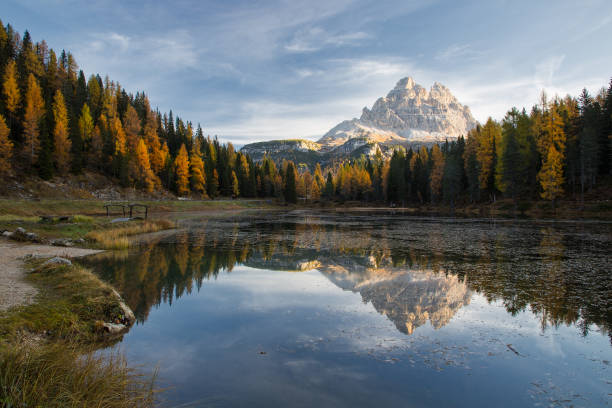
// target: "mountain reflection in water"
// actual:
[[408, 271]]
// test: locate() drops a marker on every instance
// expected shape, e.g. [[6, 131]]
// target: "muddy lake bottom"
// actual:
[[322, 309]]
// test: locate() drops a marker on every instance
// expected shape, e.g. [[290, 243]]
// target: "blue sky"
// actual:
[[260, 70]]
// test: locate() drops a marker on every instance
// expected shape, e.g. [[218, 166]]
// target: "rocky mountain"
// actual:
[[408, 115]]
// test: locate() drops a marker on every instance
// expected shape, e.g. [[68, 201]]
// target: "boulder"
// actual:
[[7, 234], [113, 328], [57, 261]]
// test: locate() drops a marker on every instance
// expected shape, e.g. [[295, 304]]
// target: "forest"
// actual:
[[54, 121]]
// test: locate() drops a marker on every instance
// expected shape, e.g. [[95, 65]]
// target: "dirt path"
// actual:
[[14, 290]]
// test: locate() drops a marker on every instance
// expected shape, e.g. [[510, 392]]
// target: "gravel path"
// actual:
[[14, 290]]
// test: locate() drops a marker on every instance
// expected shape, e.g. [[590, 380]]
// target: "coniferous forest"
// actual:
[[54, 120]]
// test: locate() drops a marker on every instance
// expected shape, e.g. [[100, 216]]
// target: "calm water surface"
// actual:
[[328, 309]]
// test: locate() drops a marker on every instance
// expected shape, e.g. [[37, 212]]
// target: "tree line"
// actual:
[[54, 121]]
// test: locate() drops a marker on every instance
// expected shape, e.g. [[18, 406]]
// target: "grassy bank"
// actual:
[[28, 208], [46, 348]]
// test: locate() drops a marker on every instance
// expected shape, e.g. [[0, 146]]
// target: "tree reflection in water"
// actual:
[[411, 270]]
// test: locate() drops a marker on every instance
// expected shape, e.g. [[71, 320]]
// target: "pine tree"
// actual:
[[33, 113], [437, 172], [62, 144], [471, 165], [289, 190], [214, 184], [235, 187], [6, 149], [198, 180], [328, 193], [181, 166]]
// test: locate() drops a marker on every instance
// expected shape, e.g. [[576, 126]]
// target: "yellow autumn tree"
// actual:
[[198, 178], [235, 188], [181, 169], [156, 155], [437, 172], [488, 137], [145, 177], [551, 176], [6, 148], [119, 137], [12, 95], [86, 125], [131, 126], [35, 109], [315, 190], [61, 152]]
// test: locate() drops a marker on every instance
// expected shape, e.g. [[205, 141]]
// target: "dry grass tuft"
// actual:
[[117, 238], [60, 375]]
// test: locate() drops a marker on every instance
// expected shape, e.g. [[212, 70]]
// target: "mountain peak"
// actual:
[[405, 83]]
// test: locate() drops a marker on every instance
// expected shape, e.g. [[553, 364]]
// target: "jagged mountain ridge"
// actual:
[[408, 115]]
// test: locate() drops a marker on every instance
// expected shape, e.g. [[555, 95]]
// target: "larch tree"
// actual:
[[34, 111], [131, 125], [146, 178], [315, 190], [551, 176], [197, 179], [235, 186], [119, 138], [86, 126], [10, 88], [490, 134], [181, 168], [6, 148], [62, 144]]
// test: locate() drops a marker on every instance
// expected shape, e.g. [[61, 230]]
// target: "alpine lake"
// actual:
[[370, 309]]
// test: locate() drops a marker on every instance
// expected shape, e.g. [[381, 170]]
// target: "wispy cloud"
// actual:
[[316, 38], [458, 52]]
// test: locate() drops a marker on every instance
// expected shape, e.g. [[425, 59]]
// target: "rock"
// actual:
[[128, 314], [123, 219], [20, 230], [7, 234], [30, 236], [62, 242], [114, 328], [57, 261], [79, 241]]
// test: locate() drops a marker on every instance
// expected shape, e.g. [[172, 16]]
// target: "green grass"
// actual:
[[47, 356], [71, 301]]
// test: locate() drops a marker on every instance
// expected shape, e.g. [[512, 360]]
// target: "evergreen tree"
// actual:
[[62, 144], [289, 190], [437, 172], [328, 193]]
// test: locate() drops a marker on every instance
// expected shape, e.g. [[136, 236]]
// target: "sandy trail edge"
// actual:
[[14, 290]]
